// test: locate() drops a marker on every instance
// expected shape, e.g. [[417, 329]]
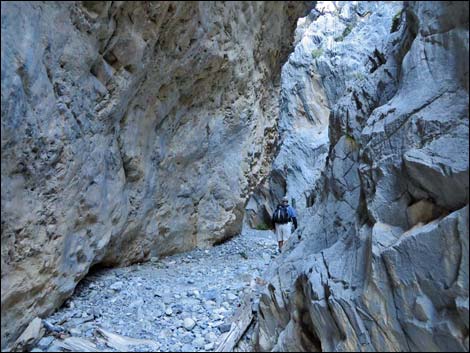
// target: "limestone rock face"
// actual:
[[129, 130], [327, 61], [383, 264]]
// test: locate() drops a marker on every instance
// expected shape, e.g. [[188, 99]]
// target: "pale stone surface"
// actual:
[[129, 130], [383, 264], [30, 336]]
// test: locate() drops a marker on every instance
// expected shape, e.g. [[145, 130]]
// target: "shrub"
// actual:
[[262, 226], [345, 33], [316, 53], [339, 39], [396, 21], [347, 30], [358, 75], [351, 141]]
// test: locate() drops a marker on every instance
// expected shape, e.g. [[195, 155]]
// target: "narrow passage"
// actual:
[[182, 302]]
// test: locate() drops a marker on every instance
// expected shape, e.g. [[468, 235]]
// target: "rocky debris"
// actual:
[[189, 324], [157, 303], [29, 337], [130, 130], [117, 286], [383, 260]]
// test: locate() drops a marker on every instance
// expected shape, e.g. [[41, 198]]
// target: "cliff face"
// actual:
[[129, 130], [383, 263]]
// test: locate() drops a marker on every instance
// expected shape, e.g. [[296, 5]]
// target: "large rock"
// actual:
[[129, 130], [384, 263]]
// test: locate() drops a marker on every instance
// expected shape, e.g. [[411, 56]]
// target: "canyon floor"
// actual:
[[182, 302]]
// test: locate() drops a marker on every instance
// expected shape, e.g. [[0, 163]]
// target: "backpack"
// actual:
[[281, 215]]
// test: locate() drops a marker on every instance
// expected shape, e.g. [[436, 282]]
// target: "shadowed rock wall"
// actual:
[[129, 130]]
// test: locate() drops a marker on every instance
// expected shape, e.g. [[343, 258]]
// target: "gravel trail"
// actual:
[[182, 302]]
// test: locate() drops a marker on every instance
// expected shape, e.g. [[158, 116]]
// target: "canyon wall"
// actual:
[[129, 130], [383, 260]]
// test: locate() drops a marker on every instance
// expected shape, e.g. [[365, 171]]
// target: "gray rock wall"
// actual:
[[383, 264], [334, 45], [129, 130]]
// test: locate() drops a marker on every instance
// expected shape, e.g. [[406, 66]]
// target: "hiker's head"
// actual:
[[285, 200]]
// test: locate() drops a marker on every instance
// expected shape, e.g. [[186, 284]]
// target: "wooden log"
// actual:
[[76, 344], [240, 322], [122, 343]]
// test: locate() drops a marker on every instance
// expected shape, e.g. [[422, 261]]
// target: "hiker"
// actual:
[[282, 218]]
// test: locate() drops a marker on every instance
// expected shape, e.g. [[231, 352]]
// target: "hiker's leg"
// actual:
[[287, 231], [279, 234]]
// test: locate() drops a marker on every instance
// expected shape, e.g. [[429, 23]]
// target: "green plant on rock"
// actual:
[[262, 226], [345, 33], [351, 141], [339, 38], [316, 53], [347, 30], [357, 75], [396, 21]]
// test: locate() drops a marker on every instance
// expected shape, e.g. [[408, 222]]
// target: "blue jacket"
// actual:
[[291, 212]]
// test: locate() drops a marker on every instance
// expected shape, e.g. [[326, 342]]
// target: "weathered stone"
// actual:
[[385, 236], [117, 286], [128, 132], [45, 342], [441, 169], [30, 336], [189, 324], [224, 327], [199, 342], [209, 346], [423, 211]]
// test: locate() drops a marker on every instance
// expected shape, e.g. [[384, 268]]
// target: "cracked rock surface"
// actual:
[[129, 130], [383, 264]]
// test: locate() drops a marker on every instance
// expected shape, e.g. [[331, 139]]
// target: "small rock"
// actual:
[[30, 336], [211, 337], [75, 331], [224, 328], [117, 286], [154, 259], [168, 311], [231, 296], [199, 342], [188, 338], [211, 295], [45, 342], [209, 346], [186, 348], [189, 323], [51, 327]]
